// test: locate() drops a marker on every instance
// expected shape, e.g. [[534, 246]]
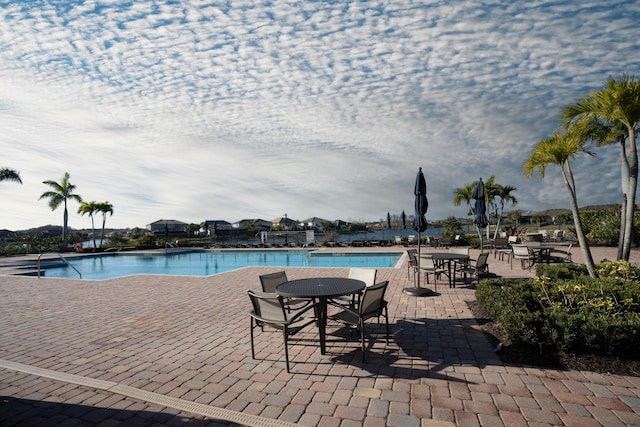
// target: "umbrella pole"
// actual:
[[418, 259], [479, 230]]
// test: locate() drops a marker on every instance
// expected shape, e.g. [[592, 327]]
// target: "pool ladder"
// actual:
[[63, 260]]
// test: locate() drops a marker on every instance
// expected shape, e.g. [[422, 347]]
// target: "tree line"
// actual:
[[59, 194]]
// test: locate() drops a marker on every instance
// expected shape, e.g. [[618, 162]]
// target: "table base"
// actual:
[[420, 292]]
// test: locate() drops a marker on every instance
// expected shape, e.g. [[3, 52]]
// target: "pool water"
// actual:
[[204, 263]]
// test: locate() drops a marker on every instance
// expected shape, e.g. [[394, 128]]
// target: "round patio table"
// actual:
[[321, 288]]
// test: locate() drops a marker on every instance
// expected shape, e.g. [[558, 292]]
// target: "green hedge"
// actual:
[[569, 312]]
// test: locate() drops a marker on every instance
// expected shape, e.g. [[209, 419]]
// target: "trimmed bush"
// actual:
[[569, 312], [620, 269], [561, 271]]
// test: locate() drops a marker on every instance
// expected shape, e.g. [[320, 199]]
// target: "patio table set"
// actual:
[[291, 305], [531, 252]]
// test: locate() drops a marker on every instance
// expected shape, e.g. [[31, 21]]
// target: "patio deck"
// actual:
[[162, 350]]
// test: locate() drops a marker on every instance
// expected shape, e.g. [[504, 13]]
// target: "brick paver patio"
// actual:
[[162, 350]]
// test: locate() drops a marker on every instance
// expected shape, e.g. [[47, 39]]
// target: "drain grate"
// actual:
[[148, 396]]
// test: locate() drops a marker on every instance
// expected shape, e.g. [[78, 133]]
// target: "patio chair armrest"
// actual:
[[269, 321], [343, 307], [308, 305]]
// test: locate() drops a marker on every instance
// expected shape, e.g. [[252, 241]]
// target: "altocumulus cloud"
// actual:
[[230, 110]]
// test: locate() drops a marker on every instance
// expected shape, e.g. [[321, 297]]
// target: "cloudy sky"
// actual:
[[195, 110]]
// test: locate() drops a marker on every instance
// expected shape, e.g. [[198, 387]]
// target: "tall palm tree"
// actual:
[[59, 195], [89, 208], [592, 128], [7, 174], [604, 114], [104, 208], [503, 192], [559, 149], [490, 194]]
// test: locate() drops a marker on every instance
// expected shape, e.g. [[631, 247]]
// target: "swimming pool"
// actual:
[[206, 262]]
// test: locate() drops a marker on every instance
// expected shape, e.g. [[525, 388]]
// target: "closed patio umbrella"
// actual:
[[404, 220], [420, 225], [480, 217]]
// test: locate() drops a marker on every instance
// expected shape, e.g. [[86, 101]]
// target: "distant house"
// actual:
[[168, 227], [525, 216], [253, 224], [314, 223], [211, 227], [340, 223], [284, 221]]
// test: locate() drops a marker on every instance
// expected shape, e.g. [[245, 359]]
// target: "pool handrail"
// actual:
[[59, 256]]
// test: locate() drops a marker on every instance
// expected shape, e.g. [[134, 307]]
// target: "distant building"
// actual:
[[340, 223], [216, 227], [168, 227], [284, 221], [314, 223], [550, 215], [253, 224]]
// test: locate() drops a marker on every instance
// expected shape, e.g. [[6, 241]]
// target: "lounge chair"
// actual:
[[445, 241]]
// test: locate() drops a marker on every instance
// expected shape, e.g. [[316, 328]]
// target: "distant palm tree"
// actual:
[[558, 149], [503, 192], [59, 195], [490, 193], [104, 208], [464, 195], [9, 175], [89, 208], [612, 115]]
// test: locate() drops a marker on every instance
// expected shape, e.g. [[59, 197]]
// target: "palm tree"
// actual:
[[89, 208], [7, 174], [605, 115], [559, 149], [503, 192], [490, 194], [464, 195], [104, 208], [60, 193]]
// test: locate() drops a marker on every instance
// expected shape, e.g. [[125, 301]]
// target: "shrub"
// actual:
[[569, 311], [561, 271], [620, 269], [452, 227], [144, 241]]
